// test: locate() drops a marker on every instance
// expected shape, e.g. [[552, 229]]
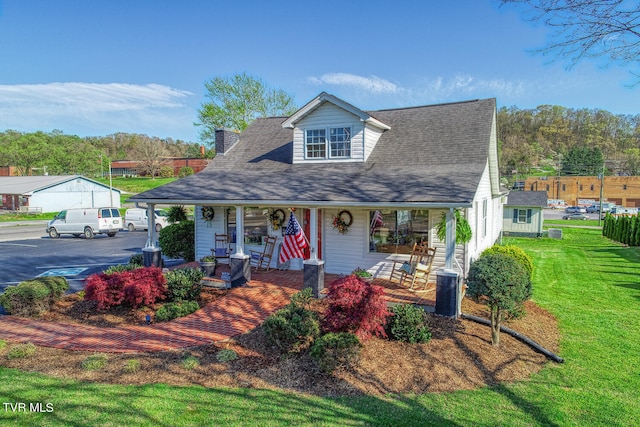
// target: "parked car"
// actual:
[[593, 209], [136, 219], [575, 209], [576, 216], [87, 221]]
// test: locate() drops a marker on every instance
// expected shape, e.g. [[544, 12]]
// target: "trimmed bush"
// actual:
[[142, 286], [21, 351], [95, 362], [136, 259], [178, 240], [514, 252], [293, 327], [166, 172], [226, 355], [3, 344], [173, 310], [28, 299], [185, 171], [409, 323], [120, 268], [184, 284], [132, 366], [501, 283], [336, 350], [58, 285], [190, 362], [356, 306]]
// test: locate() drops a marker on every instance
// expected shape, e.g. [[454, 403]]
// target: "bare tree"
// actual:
[[589, 29], [151, 152]]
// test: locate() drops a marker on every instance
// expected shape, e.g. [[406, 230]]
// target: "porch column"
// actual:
[[313, 231], [447, 292], [151, 226], [151, 254], [313, 267], [239, 263], [450, 240]]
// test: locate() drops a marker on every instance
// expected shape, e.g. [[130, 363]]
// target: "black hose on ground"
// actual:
[[517, 335]]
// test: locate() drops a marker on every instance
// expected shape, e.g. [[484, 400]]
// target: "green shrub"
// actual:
[[57, 285], [3, 344], [293, 327], [185, 171], [136, 259], [95, 362], [226, 355], [190, 362], [173, 310], [166, 172], [121, 268], [514, 252], [21, 351], [335, 350], [501, 283], [409, 324], [178, 240], [176, 213], [132, 366], [184, 284], [27, 299]]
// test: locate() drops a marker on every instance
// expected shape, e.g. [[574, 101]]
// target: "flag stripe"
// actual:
[[294, 241]]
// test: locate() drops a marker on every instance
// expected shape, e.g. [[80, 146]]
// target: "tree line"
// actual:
[[570, 141], [57, 153]]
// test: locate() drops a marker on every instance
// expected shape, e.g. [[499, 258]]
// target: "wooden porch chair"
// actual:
[[422, 271], [263, 259], [401, 269], [221, 249]]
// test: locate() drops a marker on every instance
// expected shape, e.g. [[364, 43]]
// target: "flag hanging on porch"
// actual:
[[376, 222], [294, 241]]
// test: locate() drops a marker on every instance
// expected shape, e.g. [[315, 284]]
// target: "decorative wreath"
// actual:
[[342, 221], [276, 218], [208, 213]]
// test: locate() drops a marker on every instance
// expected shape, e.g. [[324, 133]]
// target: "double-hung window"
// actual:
[[337, 145]]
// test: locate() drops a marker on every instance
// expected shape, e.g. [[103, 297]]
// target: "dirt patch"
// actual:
[[459, 356]]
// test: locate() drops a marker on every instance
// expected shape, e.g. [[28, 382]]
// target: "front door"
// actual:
[[307, 232]]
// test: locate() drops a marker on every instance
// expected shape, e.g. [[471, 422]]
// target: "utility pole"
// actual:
[[601, 195]]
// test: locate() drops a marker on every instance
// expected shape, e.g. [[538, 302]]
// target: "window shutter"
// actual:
[[528, 216], [515, 216]]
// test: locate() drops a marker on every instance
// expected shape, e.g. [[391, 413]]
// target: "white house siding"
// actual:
[[329, 116], [371, 136], [77, 193]]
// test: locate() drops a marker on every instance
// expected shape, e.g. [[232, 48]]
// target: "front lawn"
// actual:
[[591, 284]]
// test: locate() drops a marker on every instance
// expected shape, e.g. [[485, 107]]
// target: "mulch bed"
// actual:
[[459, 356]]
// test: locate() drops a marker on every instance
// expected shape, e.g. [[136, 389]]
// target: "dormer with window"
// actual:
[[328, 129]]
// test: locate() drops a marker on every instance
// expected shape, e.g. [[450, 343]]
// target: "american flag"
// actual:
[[294, 241], [376, 221]]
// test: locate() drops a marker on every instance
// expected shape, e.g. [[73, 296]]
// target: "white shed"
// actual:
[[54, 193]]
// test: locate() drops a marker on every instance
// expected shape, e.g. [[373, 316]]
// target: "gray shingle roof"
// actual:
[[527, 198], [431, 155]]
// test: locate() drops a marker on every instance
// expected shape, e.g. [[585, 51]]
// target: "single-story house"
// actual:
[[54, 193], [390, 175], [524, 213]]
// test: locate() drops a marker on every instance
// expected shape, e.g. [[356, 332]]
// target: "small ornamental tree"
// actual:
[[178, 240], [514, 252], [143, 286], [500, 282], [356, 306]]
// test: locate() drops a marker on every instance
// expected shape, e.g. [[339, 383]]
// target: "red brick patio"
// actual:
[[238, 312]]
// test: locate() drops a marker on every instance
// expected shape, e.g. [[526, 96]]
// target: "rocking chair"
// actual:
[[263, 259], [401, 269], [221, 250]]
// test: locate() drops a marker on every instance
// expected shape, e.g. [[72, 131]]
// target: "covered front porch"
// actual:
[[293, 281]]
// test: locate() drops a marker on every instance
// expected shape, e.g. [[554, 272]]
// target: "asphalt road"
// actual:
[[26, 251]]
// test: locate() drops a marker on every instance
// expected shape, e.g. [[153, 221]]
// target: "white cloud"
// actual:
[[372, 84], [93, 108]]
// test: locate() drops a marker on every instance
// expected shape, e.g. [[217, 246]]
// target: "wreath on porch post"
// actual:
[[208, 213], [276, 218], [342, 221]]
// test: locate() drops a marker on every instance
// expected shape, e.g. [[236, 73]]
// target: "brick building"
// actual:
[[621, 190]]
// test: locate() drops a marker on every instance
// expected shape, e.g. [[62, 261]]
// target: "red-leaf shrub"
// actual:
[[356, 306], [142, 286]]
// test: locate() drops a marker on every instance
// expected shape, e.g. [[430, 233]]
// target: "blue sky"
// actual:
[[98, 67]]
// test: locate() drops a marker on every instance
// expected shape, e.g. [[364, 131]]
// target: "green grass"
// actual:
[[590, 284], [573, 222]]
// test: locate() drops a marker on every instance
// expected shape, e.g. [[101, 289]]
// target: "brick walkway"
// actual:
[[238, 312]]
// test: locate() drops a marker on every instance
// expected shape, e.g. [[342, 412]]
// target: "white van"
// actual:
[[135, 219], [87, 221]]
